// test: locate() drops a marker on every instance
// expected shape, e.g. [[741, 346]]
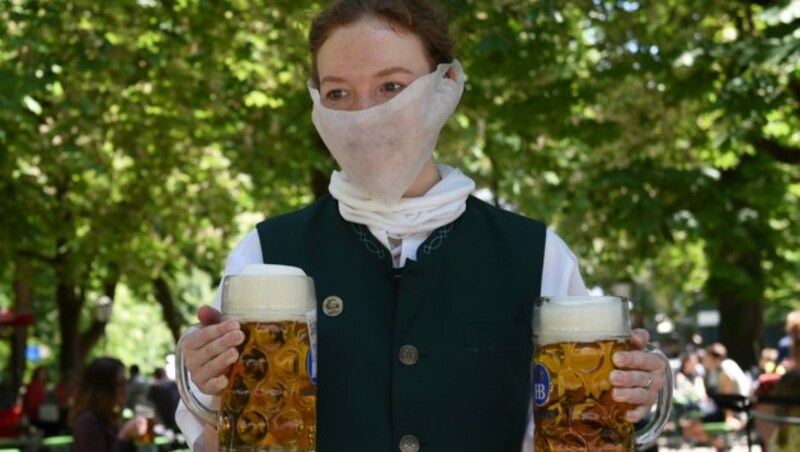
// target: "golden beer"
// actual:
[[270, 401], [573, 407]]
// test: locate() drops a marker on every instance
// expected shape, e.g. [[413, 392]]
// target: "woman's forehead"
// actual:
[[369, 46]]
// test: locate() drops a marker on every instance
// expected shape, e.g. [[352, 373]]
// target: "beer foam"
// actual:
[[272, 269], [267, 292], [581, 319]]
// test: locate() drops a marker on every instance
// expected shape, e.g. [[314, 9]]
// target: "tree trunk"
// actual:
[[23, 303], [740, 305], [740, 329], [71, 357], [735, 251], [172, 317]]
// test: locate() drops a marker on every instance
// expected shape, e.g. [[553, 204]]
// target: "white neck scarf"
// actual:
[[441, 205]]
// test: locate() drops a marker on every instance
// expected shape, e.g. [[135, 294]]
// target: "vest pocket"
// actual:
[[485, 336]]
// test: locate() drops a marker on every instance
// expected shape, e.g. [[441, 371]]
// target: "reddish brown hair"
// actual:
[[415, 16], [99, 390]]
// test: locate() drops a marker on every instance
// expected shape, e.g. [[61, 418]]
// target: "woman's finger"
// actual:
[[639, 360], [208, 315], [209, 351], [639, 338], [634, 378]]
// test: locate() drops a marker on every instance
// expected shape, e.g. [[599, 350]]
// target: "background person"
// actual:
[[96, 414], [39, 403], [137, 387], [765, 429], [690, 391], [65, 392], [792, 328], [416, 259], [723, 377], [785, 437], [792, 357], [34, 395], [163, 394]]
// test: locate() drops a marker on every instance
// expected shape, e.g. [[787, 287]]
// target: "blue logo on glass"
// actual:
[[541, 385], [311, 367]]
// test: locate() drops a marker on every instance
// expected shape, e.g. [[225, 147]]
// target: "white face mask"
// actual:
[[383, 148]]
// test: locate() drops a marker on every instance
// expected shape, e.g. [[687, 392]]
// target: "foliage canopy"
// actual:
[[139, 138]]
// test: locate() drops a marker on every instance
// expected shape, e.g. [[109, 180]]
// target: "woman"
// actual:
[[723, 377], [95, 417], [690, 392], [39, 404], [34, 395], [786, 437], [420, 265], [766, 429]]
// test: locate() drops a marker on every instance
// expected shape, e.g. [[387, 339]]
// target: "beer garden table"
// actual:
[[58, 443], [9, 444]]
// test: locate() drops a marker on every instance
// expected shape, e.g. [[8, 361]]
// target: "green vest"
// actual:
[[440, 349]]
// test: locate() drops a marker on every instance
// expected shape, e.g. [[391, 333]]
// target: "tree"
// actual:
[[657, 137], [114, 170], [644, 129]]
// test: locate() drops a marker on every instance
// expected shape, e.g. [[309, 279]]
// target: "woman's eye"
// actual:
[[335, 94], [392, 87]]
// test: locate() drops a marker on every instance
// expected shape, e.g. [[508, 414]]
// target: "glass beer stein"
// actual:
[[270, 401], [573, 409]]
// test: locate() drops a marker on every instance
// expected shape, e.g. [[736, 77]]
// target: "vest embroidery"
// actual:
[[365, 237], [438, 237]]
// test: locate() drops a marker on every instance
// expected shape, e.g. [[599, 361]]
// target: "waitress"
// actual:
[[430, 346]]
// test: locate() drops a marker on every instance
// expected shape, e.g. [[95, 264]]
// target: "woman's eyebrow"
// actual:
[[381, 73], [392, 70], [331, 79]]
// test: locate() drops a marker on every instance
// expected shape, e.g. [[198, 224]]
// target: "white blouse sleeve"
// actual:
[[560, 276], [247, 251], [560, 272]]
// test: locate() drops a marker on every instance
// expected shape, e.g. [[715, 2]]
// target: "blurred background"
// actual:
[[140, 139]]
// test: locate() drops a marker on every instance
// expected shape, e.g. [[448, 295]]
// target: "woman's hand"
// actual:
[[209, 350], [133, 429], [639, 377]]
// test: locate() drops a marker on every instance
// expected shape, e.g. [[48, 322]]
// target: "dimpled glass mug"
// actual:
[[573, 409], [270, 401]]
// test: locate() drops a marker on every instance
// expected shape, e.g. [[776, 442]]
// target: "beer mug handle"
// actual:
[[189, 398], [653, 428]]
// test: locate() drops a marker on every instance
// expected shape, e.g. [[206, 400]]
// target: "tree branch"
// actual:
[[172, 317], [91, 336], [778, 151], [794, 87], [36, 255]]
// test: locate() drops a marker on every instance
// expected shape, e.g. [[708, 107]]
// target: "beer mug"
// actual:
[[573, 408], [270, 401]]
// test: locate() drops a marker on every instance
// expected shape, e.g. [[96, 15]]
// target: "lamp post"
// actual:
[[102, 310]]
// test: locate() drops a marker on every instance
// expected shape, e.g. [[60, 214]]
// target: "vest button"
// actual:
[[333, 306], [409, 443], [396, 278], [409, 355]]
